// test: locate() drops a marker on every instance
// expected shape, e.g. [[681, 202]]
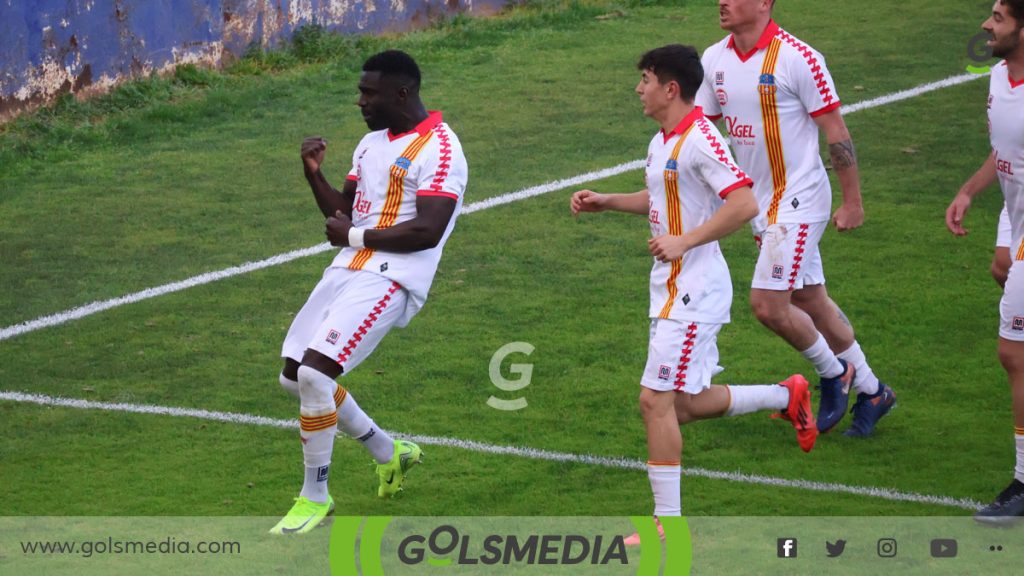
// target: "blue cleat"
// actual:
[[869, 409], [835, 397]]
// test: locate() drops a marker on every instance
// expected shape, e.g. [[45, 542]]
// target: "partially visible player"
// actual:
[[982, 179], [1006, 133], [695, 195], [391, 218], [775, 93]]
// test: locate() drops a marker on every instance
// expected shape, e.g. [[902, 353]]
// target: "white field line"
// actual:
[[522, 452], [99, 306]]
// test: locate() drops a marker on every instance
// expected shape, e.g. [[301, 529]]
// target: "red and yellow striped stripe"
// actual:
[[318, 423], [339, 395], [393, 199], [1020, 250], [663, 462], [1018, 430], [674, 208], [772, 130]]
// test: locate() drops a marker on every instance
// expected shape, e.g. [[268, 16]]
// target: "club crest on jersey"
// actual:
[[1018, 324], [723, 97], [403, 163], [766, 84], [664, 372], [719, 77], [672, 165], [777, 271]]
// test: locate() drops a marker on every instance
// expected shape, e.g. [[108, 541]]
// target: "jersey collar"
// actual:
[[762, 42], [434, 118], [696, 114]]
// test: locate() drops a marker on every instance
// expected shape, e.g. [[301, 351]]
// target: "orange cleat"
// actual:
[[799, 411]]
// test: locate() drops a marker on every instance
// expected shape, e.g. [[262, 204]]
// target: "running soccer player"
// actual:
[[391, 219], [775, 92], [689, 174], [1006, 133]]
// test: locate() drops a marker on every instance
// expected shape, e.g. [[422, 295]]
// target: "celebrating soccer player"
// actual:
[[775, 92], [689, 174], [1006, 133], [391, 220]]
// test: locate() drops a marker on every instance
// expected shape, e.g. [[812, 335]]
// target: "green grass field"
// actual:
[[99, 202]]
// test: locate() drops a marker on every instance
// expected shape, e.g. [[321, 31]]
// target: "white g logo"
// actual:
[[525, 372]]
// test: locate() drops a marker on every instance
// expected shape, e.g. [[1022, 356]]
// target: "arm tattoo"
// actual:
[[843, 155]]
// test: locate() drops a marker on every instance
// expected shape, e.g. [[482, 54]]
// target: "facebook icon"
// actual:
[[787, 547]]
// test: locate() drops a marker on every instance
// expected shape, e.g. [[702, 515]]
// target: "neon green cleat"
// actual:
[[304, 516], [407, 454]]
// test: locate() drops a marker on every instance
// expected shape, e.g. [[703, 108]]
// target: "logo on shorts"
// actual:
[[777, 271], [333, 336], [766, 84], [720, 77], [384, 267], [795, 203], [403, 163], [1018, 324], [664, 372]]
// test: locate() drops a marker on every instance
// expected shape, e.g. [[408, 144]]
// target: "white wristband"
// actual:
[[355, 237]]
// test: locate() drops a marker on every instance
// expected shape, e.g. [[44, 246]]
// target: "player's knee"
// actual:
[[767, 312], [316, 390], [1011, 357], [290, 386]]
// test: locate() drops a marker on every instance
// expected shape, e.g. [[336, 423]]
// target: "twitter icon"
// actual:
[[835, 550]]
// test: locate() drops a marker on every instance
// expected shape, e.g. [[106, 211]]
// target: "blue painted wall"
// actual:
[[52, 46]]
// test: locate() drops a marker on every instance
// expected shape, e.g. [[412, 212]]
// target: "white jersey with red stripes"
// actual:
[[689, 170], [1006, 129], [769, 98], [390, 172]]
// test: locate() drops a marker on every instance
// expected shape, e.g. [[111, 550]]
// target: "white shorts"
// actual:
[[789, 257], [1011, 307], [1003, 233], [681, 356], [346, 316]]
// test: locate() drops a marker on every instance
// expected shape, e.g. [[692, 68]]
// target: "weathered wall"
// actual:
[[52, 46]]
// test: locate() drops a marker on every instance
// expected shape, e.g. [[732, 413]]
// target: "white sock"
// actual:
[[1018, 472], [747, 399], [355, 423], [318, 420], [314, 484], [290, 386], [665, 486], [824, 360], [864, 380]]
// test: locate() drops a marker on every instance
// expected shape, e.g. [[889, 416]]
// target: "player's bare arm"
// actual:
[[739, 208], [590, 201], [420, 233], [982, 179], [328, 198], [850, 213]]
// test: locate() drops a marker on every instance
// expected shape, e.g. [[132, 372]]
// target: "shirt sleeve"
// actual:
[[812, 81], [716, 165], [706, 97], [444, 171]]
